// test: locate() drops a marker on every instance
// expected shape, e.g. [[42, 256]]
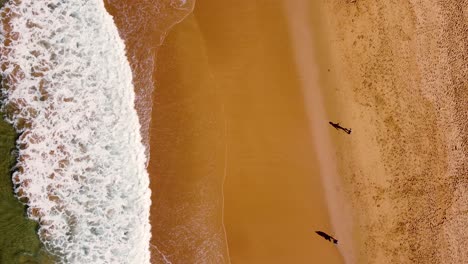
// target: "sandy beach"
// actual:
[[274, 199], [396, 74], [234, 100], [244, 166], [229, 107]]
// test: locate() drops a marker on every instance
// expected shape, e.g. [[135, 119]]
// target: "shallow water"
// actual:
[[143, 25], [186, 214]]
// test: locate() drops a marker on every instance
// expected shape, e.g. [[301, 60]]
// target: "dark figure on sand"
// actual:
[[327, 236], [337, 126]]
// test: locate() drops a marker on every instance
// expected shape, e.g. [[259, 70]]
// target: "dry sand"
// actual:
[[302, 25], [398, 74]]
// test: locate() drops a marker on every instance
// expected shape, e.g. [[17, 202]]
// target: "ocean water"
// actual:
[[81, 163]]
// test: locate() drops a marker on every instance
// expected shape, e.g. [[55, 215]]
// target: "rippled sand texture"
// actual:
[[399, 74]]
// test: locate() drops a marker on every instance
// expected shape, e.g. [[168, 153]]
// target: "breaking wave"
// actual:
[[81, 164]]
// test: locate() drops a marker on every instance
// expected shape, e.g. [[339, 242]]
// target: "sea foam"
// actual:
[[81, 163]]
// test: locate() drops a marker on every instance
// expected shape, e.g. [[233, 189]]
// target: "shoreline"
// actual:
[[145, 34], [142, 43]]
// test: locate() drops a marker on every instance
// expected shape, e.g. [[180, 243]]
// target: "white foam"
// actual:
[[81, 162]]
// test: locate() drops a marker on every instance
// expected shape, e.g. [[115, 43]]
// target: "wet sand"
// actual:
[[228, 107], [229, 117], [187, 165], [273, 192], [397, 73], [184, 131]]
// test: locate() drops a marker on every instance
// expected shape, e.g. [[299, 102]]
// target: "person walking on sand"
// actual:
[[337, 126]]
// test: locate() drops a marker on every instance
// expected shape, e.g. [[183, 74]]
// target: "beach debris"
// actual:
[[327, 237], [337, 126]]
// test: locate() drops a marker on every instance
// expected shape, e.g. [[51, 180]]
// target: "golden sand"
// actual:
[[397, 75], [228, 105], [273, 194]]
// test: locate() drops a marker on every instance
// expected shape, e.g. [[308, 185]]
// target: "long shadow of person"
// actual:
[[327, 236], [337, 127]]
